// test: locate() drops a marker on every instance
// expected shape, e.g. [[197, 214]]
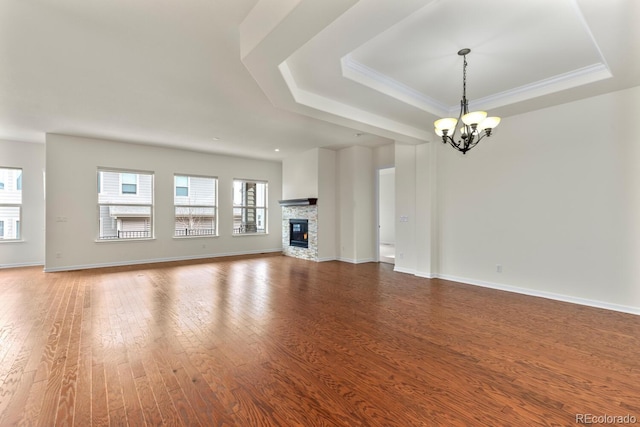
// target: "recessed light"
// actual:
[[277, 149], [215, 138], [358, 134]]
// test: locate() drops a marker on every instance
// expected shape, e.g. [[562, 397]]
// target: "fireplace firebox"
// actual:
[[299, 233]]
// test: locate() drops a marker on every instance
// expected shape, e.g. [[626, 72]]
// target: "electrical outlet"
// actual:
[[58, 254], [498, 268]]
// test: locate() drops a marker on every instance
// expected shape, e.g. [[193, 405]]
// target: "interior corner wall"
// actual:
[[426, 229], [416, 195], [356, 205], [327, 205], [31, 159], [387, 206], [72, 212], [384, 156], [405, 261], [553, 199]]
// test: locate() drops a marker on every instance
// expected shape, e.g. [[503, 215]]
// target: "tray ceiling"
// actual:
[[247, 77]]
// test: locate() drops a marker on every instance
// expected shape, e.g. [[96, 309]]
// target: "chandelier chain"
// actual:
[[464, 78]]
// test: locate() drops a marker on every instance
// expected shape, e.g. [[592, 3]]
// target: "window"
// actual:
[[182, 186], [125, 202], [249, 207], [129, 183], [10, 203], [195, 205]]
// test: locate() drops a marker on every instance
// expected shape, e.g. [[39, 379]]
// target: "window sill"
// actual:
[[249, 234], [146, 239], [11, 241]]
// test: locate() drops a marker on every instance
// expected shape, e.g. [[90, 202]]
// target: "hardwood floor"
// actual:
[[272, 340]]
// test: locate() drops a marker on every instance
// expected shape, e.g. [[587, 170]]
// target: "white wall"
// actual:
[[300, 175], [553, 198], [327, 205], [384, 156], [387, 205], [406, 253], [72, 224], [356, 205], [29, 157]]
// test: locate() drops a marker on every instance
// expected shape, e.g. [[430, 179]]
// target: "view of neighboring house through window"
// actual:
[[125, 200], [129, 183], [249, 206], [195, 205], [10, 203]]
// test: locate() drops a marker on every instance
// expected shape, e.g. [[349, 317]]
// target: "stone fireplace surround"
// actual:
[[300, 209]]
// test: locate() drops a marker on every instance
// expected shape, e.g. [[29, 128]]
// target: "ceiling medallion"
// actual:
[[476, 123]]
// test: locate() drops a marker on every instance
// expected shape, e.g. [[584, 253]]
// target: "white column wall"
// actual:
[[356, 205], [327, 205]]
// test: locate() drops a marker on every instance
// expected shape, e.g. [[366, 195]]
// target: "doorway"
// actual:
[[386, 215]]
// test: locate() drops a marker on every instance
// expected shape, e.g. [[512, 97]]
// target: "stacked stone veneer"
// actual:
[[309, 213]]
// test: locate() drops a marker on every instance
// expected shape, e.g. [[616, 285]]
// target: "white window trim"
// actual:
[[214, 206], [13, 205], [265, 207], [151, 205]]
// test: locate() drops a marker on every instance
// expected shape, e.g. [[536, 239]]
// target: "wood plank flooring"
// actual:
[[277, 341]]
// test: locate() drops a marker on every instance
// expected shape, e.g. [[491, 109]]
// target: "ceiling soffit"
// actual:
[[370, 54]]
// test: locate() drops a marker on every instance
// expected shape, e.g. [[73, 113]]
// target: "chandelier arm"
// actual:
[[450, 141]]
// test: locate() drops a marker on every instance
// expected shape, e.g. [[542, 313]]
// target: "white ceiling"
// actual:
[[245, 77]]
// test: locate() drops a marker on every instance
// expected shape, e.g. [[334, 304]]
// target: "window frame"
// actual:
[[237, 231], [213, 206], [15, 222], [126, 201]]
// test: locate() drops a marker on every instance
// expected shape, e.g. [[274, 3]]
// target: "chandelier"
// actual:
[[476, 124]]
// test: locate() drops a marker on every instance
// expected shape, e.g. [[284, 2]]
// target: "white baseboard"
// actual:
[[543, 294], [425, 275], [22, 264], [356, 261], [157, 260], [404, 270]]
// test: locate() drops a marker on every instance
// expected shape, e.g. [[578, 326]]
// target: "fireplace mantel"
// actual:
[[298, 202]]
